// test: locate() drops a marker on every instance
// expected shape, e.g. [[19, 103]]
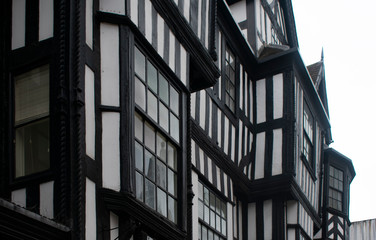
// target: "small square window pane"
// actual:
[[172, 209], [218, 222], [206, 196], [149, 137], [172, 182], [149, 165], [152, 77], [200, 210], [139, 63], [223, 227], [149, 194], [174, 127], [161, 202], [212, 201], [163, 116], [174, 100], [200, 193], [32, 94], [204, 233], [138, 127], [163, 89], [161, 147], [206, 214], [32, 148], [139, 93], [210, 235], [152, 106], [223, 210], [139, 156], [139, 187], [212, 218], [172, 156], [161, 174]]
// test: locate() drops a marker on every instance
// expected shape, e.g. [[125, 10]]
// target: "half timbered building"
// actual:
[[161, 119]]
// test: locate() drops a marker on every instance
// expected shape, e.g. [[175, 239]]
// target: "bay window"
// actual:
[[157, 138], [335, 188]]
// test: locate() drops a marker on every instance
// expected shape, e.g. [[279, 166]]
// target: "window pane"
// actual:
[[204, 233], [32, 94], [200, 210], [200, 193], [139, 63], [161, 174], [206, 196], [206, 214], [172, 209], [163, 116], [139, 93], [174, 100], [152, 106], [149, 165], [139, 187], [149, 137], [138, 127], [172, 156], [161, 147], [172, 184], [152, 77], [163, 89], [212, 201], [33, 148], [139, 157], [149, 194], [174, 127], [212, 218], [161, 202]]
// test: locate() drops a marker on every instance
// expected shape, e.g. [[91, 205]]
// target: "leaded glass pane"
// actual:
[[149, 165], [174, 127], [172, 156], [163, 116], [139, 63], [172, 187], [174, 100], [161, 174], [139, 94], [161, 202], [161, 147], [149, 194], [149, 137], [152, 106], [139, 157], [139, 187], [138, 127], [163, 89], [172, 209], [152, 77]]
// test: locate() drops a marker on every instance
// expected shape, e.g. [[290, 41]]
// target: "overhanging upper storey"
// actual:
[[265, 23]]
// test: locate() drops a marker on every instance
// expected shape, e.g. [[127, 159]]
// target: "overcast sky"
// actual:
[[347, 32]]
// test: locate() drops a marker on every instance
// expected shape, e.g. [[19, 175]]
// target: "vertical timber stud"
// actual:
[[62, 194], [76, 70], [213, 29], [289, 138]]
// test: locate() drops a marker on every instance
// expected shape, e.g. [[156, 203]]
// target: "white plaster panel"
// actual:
[[89, 23], [193, 105], [233, 143], [18, 23], [109, 64], [226, 135], [114, 6], [46, 204], [89, 112], [252, 221], [225, 184], [206, 33], [160, 35], [148, 20], [19, 197], [202, 108], [292, 212], [133, 11], [201, 156], [193, 152], [241, 87], [240, 155], [199, 20], [210, 117], [210, 171], [46, 19], [239, 11], [114, 226], [246, 94], [187, 7], [260, 155], [219, 130], [291, 235], [218, 173], [195, 227], [171, 57], [111, 150], [261, 100], [268, 211], [250, 87], [91, 211], [230, 224], [278, 96], [277, 152], [183, 65]]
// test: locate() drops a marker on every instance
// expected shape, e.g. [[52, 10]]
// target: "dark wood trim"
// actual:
[[32, 22], [123, 203], [260, 220]]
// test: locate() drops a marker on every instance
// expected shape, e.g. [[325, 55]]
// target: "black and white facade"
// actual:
[[162, 119]]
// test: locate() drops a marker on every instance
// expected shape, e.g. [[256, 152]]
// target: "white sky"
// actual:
[[347, 32]]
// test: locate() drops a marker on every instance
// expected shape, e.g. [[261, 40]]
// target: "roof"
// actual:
[[314, 70]]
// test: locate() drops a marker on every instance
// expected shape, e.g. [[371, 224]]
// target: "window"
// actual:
[[157, 133], [212, 215], [230, 79], [31, 121], [335, 188], [308, 136]]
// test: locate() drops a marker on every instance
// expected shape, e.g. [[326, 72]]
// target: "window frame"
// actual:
[[336, 190], [45, 172], [155, 123], [310, 162], [202, 222], [227, 96]]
